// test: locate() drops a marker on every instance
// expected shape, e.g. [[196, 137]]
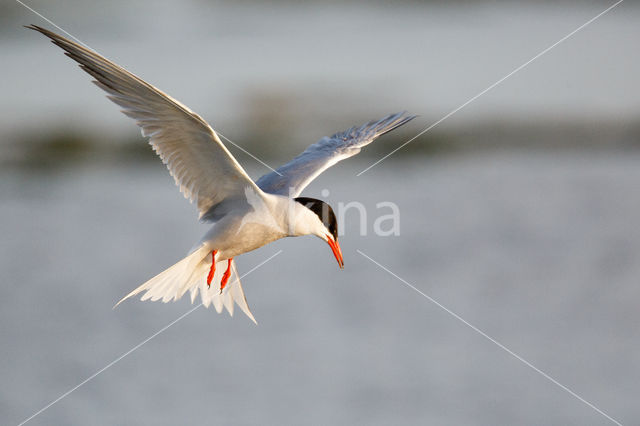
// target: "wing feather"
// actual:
[[291, 178], [202, 167]]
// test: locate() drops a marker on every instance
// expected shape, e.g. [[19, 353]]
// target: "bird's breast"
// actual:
[[243, 235]]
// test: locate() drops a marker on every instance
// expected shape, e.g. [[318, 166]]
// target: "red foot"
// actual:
[[227, 274], [213, 268]]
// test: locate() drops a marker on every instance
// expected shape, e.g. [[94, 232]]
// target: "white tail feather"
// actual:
[[190, 274]]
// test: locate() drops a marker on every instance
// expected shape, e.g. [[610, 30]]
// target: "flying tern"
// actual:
[[244, 214]]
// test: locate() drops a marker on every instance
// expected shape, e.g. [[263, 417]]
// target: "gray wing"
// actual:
[[201, 165], [291, 178]]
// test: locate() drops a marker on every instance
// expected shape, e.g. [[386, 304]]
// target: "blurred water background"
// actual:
[[518, 213]]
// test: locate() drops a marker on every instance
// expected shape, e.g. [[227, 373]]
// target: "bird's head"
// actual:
[[318, 219]]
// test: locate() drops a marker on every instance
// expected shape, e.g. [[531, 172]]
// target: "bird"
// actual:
[[244, 214]]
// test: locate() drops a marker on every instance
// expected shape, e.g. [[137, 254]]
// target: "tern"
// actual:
[[244, 214]]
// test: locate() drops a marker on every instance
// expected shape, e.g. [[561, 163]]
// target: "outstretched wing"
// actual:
[[201, 165], [291, 178]]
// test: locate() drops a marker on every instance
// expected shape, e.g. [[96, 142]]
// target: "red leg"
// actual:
[[213, 268], [227, 274]]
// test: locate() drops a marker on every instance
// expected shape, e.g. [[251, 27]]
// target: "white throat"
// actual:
[[302, 221]]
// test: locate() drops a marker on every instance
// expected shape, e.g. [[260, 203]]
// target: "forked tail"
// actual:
[[190, 274]]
